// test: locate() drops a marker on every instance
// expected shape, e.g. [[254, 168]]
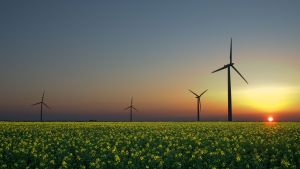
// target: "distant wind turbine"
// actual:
[[198, 102], [42, 103], [229, 81], [131, 107]]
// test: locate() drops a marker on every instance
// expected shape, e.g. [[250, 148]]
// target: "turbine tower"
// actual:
[[42, 103], [228, 66], [198, 102], [131, 107]]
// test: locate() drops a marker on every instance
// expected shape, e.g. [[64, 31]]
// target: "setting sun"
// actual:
[[270, 119]]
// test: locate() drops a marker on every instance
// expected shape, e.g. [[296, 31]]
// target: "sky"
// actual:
[[90, 57]]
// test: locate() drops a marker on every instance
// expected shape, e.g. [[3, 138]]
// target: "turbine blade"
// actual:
[[203, 92], [224, 67], [193, 93], [230, 50], [134, 108], [239, 73], [36, 103], [46, 105], [127, 108]]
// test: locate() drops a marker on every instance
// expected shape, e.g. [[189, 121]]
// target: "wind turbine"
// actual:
[[42, 103], [228, 66], [131, 107], [198, 102]]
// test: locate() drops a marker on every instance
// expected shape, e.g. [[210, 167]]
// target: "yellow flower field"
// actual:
[[149, 145]]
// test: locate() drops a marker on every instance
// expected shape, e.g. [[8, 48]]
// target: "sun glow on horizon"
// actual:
[[268, 99], [270, 119]]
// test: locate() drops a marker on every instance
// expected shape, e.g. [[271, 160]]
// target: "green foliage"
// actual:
[[149, 145]]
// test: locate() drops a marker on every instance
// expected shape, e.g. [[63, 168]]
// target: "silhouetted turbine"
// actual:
[[198, 102], [131, 107], [42, 103], [229, 81]]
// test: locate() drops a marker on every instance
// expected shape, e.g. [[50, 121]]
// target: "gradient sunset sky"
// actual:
[[92, 56]]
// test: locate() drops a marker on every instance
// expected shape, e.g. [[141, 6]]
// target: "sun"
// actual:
[[270, 119]]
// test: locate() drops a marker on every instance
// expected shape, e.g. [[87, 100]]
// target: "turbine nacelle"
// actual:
[[228, 65]]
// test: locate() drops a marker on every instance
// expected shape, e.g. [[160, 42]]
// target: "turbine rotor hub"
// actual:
[[228, 65]]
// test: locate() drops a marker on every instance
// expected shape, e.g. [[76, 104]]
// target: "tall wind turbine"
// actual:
[[131, 107], [228, 66], [198, 102], [42, 103]]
